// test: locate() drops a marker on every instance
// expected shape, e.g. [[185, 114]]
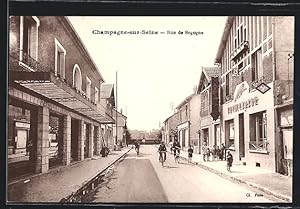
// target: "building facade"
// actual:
[[254, 58], [170, 128], [119, 128], [183, 127], [55, 116], [195, 122], [210, 131]]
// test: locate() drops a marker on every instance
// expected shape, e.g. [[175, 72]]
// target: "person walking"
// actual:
[[214, 153], [190, 154], [208, 154], [205, 151], [229, 159], [218, 152], [222, 151]]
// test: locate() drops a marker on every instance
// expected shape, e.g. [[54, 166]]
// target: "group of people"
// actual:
[[217, 153], [213, 154], [175, 148]]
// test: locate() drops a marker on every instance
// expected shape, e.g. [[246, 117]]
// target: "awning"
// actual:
[[53, 87]]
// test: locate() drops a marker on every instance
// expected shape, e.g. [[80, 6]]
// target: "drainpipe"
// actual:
[[276, 138]]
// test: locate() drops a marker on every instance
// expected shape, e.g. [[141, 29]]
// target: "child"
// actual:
[[229, 160], [190, 154]]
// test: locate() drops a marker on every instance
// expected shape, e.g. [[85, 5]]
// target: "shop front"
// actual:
[[183, 131], [249, 127], [21, 139]]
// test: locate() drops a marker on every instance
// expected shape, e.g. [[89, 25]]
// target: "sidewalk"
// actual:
[[60, 183], [264, 180]]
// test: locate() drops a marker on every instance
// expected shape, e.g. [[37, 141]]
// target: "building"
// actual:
[[170, 128], [119, 128], [195, 122], [208, 89], [184, 122], [55, 116], [256, 85]]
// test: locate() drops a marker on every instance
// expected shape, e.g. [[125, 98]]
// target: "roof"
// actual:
[[75, 35], [224, 38], [106, 91], [208, 72], [211, 72], [185, 100]]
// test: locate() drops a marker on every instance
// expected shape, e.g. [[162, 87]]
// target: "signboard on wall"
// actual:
[[215, 98]]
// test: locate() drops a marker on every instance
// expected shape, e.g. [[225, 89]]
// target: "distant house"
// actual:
[[119, 127], [209, 126], [183, 126], [170, 128], [107, 100]]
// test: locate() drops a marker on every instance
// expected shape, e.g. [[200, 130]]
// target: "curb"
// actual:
[[238, 180], [90, 180]]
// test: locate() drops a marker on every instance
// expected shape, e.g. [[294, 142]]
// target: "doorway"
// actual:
[[74, 139], [241, 136], [287, 137]]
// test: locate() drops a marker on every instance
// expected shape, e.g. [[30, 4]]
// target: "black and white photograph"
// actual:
[[150, 109]]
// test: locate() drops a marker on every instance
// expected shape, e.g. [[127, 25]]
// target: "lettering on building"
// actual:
[[243, 105]]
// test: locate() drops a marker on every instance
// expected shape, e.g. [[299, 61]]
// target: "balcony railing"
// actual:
[[261, 145], [241, 48], [257, 82], [26, 63]]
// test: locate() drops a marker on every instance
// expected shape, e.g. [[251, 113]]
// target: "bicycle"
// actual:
[[176, 156], [161, 160]]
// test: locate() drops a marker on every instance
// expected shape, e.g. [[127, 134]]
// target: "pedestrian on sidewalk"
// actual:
[[218, 153], [208, 154], [190, 154], [229, 160], [204, 151], [214, 153], [222, 152]]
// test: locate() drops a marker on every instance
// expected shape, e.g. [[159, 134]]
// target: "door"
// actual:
[[287, 135], [241, 136]]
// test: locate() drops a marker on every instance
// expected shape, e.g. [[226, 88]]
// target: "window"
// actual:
[[88, 88], [256, 64], [258, 131], [29, 39], [204, 103], [228, 83], [96, 95], [60, 55], [77, 80]]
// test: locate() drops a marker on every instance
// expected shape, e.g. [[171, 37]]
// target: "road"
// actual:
[[142, 179]]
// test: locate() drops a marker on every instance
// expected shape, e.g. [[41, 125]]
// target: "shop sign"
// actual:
[[243, 105], [22, 125], [240, 89]]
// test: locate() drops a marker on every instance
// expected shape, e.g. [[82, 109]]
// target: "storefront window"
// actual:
[[258, 131]]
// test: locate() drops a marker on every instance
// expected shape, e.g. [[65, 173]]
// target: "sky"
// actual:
[[155, 71]]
